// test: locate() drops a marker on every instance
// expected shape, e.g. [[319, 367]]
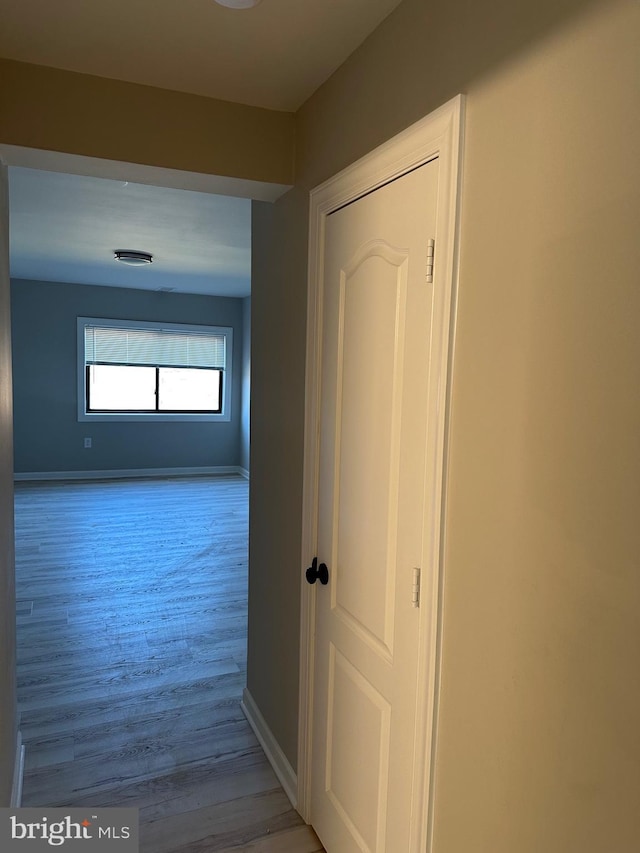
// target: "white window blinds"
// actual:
[[153, 347]]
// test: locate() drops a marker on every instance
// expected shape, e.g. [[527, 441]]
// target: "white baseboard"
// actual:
[[127, 473], [18, 774], [283, 770], [243, 473]]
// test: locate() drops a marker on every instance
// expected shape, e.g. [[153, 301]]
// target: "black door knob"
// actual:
[[317, 572]]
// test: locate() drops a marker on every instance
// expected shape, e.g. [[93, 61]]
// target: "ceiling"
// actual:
[[274, 55], [66, 227]]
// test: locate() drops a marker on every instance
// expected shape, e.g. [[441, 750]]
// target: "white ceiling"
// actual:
[[274, 55], [67, 227]]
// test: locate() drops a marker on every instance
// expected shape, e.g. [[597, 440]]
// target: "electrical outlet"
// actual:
[[87, 443]]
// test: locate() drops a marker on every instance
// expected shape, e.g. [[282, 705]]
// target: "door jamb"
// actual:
[[440, 134]]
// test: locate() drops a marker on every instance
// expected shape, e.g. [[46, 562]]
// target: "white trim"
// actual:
[[278, 760], [243, 472], [128, 473], [438, 135], [18, 774]]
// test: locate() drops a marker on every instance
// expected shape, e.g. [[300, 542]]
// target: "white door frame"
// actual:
[[438, 135]]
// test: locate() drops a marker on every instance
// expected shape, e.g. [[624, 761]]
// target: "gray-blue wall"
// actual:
[[47, 435]]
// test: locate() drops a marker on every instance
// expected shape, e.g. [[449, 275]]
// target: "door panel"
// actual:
[[371, 340], [377, 309], [354, 785]]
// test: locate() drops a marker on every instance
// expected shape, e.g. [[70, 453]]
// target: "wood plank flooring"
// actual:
[[132, 608]]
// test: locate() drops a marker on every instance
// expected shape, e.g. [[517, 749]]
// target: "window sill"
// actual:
[[152, 417]]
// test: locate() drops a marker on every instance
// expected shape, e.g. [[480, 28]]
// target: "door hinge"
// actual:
[[431, 245], [415, 588]]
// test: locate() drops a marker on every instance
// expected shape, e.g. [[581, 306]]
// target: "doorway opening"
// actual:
[[132, 641]]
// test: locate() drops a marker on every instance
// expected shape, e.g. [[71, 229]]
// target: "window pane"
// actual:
[[188, 390], [117, 388]]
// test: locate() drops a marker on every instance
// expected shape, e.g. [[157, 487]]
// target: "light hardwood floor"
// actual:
[[132, 609]]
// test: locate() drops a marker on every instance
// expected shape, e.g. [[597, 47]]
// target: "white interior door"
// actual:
[[375, 394]]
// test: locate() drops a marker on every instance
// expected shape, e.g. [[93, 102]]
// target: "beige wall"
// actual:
[[7, 579], [538, 746], [80, 114], [540, 671]]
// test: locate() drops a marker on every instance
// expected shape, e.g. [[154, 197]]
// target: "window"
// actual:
[[150, 371]]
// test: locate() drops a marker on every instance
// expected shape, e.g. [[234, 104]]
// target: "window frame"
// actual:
[[152, 416]]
